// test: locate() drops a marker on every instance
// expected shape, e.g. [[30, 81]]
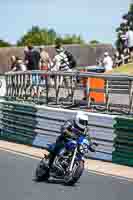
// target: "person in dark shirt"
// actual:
[[32, 58]]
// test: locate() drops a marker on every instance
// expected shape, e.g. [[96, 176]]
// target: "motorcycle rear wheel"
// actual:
[[73, 177]]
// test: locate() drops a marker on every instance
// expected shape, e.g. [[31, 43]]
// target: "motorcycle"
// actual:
[[68, 164]]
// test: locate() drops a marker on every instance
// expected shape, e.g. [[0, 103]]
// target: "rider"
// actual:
[[71, 129]]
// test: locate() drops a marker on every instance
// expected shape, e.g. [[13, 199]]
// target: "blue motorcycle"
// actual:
[[68, 164]]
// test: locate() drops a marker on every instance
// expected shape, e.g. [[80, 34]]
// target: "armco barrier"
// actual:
[[39, 125], [123, 143]]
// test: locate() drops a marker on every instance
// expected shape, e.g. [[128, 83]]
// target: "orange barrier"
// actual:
[[97, 83], [94, 83]]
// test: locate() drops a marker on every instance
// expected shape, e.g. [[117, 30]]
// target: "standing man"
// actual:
[[130, 42], [107, 62], [32, 59], [61, 63]]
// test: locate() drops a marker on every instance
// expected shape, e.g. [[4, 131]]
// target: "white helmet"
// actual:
[[81, 120], [106, 54]]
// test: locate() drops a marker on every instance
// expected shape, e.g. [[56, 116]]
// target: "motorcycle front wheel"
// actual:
[[42, 171], [72, 177]]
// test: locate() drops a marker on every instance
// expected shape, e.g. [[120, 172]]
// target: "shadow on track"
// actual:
[[54, 181]]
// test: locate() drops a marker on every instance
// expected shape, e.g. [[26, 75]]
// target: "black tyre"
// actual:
[[42, 172], [78, 169]]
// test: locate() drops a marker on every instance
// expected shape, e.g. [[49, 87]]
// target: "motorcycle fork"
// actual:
[[73, 159]]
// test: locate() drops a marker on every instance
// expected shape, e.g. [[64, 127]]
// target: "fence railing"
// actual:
[[72, 89]]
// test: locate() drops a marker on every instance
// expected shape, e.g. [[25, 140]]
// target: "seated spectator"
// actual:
[[13, 63], [19, 65]]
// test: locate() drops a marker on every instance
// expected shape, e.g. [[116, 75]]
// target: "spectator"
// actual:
[[120, 41], [125, 56], [45, 60], [99, 62], [45, 64], [124, 39], [107, 62], [26, 55], [18, 64], [13, 63], [130, 43], [61, 63], [117, 59], [32, 58]]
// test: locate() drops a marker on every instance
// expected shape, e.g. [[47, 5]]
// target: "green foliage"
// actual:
[[94, 42], [123, 26], [4, 44], [37, 36], [68, 39], [131, 7]]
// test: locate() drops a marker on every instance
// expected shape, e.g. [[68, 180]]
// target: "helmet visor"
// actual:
[[83, 122]]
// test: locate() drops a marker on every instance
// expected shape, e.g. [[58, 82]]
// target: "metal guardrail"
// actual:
[[52, 88], [38, 125]]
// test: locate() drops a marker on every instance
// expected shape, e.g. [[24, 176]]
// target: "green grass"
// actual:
[[125, 69]]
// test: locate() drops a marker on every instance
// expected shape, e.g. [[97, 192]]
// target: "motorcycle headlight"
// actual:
[[84, 147]]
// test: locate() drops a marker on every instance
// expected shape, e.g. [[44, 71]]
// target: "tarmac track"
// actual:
[[17, 183]]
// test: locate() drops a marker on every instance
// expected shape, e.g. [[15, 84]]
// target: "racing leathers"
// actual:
[[68, 130]]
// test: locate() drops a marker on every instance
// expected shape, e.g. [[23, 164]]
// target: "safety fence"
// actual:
[[101, 92], [38, 125]]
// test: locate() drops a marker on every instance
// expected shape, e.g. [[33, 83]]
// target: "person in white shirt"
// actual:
[[61, 63], [107, 62], [130, 42]]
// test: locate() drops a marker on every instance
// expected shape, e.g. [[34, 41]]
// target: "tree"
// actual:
[[4, 44], [74, 39], [94, 42], [127, 22], [41, 36], [52, 35], [37, 36]]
